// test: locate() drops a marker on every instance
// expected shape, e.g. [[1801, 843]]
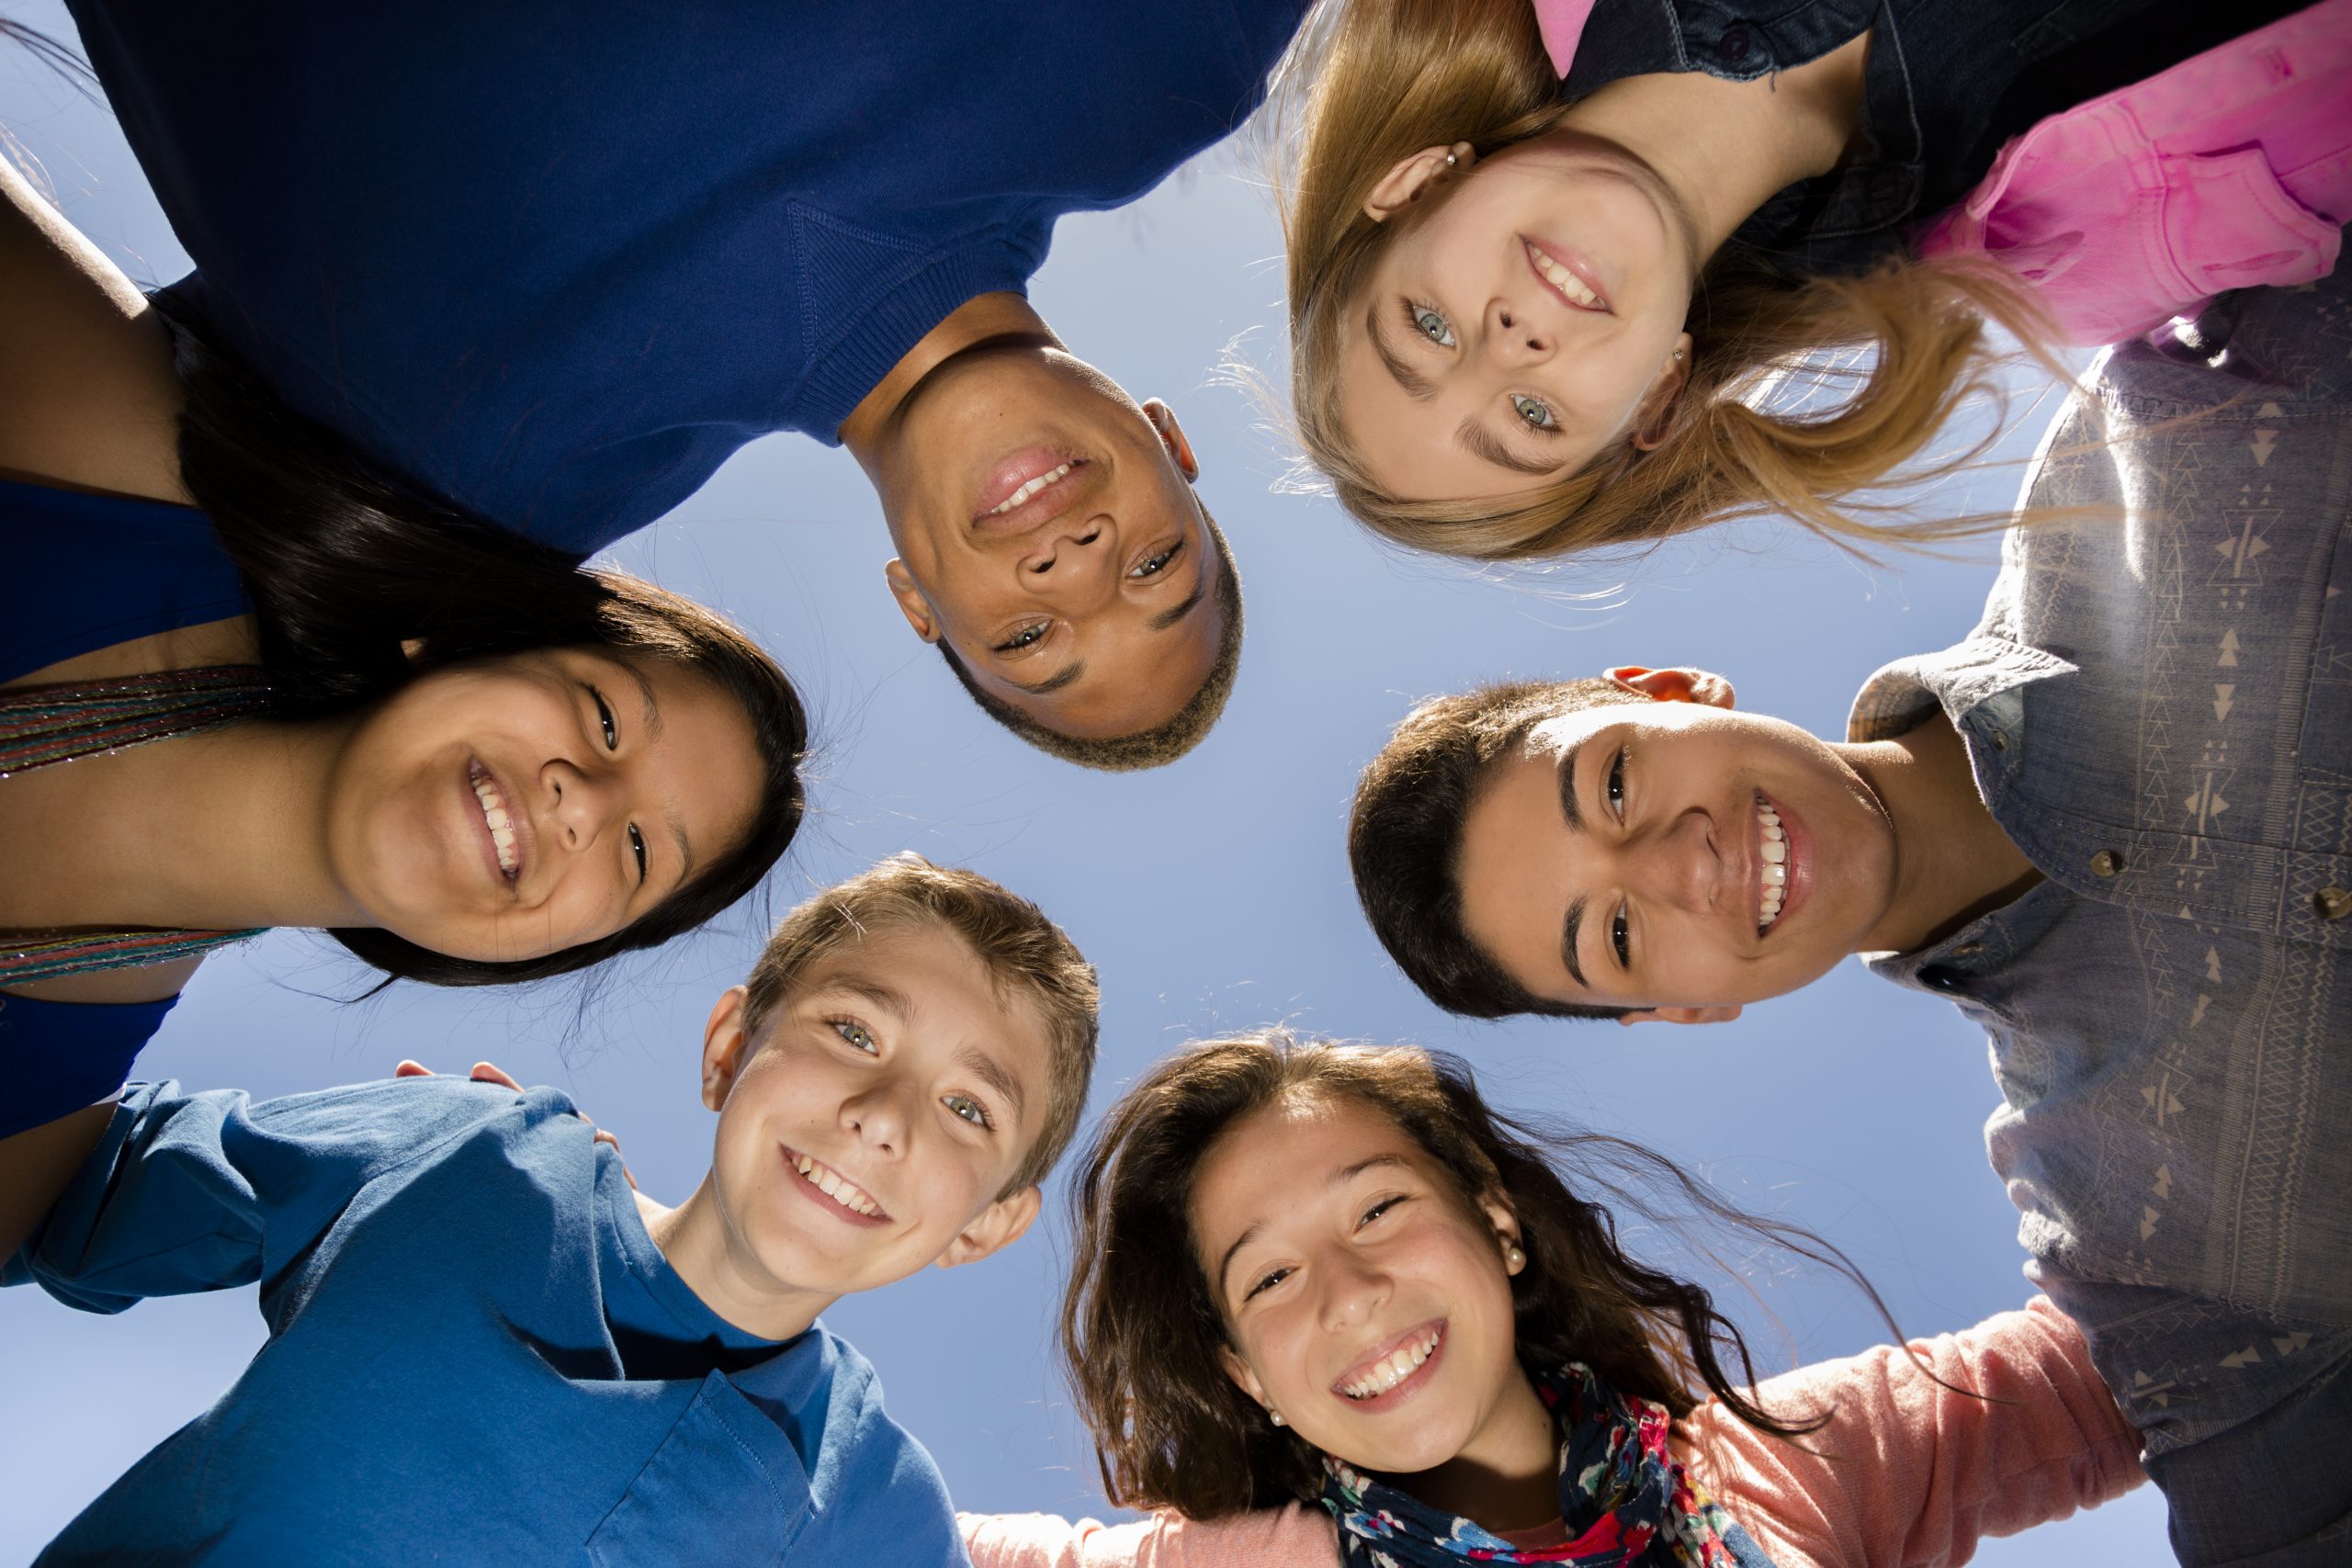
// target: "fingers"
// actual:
[[412, 1070], [491, 1072]]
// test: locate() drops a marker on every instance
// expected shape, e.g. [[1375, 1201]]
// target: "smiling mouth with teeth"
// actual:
[[1029, 489], [1561, 278], [832, 1184], [1398, 1365], [493, 812], [1772, 865]]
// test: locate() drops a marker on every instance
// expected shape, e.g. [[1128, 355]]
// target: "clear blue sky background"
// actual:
[[1212, 894]]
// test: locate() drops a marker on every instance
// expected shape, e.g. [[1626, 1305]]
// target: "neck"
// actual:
[[721, 1267], [1508, 1476], [1726, 148], [215, 832], [984, 318], [1952, 862]]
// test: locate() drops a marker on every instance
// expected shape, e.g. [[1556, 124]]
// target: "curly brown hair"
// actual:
[[1141, 1330]]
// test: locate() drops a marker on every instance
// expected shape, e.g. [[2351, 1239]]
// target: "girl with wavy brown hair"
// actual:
[[1326, 1300], [1654, 265]]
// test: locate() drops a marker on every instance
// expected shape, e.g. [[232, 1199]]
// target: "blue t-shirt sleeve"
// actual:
[[204, 1191]]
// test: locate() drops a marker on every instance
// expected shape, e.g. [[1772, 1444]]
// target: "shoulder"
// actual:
[[884, 1493]]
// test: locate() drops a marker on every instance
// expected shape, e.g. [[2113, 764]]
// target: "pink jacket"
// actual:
[[1906, 1475], [2232, 168]]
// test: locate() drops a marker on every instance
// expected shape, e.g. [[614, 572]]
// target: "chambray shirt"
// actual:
[[1947, 82], [2158, 705], [476, 1353]]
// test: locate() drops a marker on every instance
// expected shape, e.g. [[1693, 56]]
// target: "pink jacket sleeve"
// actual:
[[1562, 24], [1909, 1475], [1292, 1537]]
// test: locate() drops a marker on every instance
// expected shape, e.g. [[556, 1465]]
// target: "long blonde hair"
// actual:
[[1372, 82]]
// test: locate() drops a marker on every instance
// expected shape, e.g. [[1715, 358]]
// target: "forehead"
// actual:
[[1272, 1162], [952, 1004]]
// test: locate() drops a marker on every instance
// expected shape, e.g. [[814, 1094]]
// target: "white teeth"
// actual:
[[1774, 871], [1387, 1374], [1561, 278], [493, 812], [1026, 491], [833, 1187]]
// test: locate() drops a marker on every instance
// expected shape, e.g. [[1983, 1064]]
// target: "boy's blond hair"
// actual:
[[1025, 954]]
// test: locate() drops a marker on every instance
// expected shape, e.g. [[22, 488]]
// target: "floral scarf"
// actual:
[[1625, 1501]]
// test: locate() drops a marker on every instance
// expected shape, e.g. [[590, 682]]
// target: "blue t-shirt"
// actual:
[[558, 265], [476, 1353]]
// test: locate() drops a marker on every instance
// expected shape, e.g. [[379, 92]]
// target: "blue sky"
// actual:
[[1213, 894]]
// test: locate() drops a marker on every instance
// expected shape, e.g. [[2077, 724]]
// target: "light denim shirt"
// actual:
[[2157, 706]]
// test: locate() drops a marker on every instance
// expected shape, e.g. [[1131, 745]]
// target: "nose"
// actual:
[[876, 1117], [1353, 1290], [1682, 866], [1513, 338], [1073, 554], [585, 804]]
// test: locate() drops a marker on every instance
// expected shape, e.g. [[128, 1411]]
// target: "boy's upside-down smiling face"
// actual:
[[872, 1125], [1672, 856]]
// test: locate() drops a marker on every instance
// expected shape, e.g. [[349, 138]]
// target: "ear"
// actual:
[[1504, 1220], [1680, 684], [1171, 435], [1683, 1015], [995, 1228], [413, 649], [723, 1045], [1653, 421], [911, 602], [1239, 1370], [1403, 185]]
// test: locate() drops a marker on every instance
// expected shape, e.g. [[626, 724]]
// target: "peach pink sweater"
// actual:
[[1907, 1475]]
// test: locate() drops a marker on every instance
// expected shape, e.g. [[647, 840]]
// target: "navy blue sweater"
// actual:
[[476, 1353], [557, 262]]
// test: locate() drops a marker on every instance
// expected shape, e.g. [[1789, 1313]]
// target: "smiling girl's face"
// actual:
[[1364, 1299], [515, 806], [1524, 315]]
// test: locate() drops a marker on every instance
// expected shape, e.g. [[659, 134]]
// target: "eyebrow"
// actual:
[[1479, 442], [1419, 386], [991, 1071], [1339, 1178], [1054, 682], [881, 992], [645, 691]]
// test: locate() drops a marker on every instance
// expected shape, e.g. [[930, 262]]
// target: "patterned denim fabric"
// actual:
[[2158, 708]]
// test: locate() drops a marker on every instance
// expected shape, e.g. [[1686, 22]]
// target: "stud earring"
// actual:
[[1275, 1416], [1513, 1259], [1677, 354], [1451, 160]]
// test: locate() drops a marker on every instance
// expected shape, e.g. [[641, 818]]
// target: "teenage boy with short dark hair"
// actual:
[[560, 269], [485, 1347], [2114, 826]]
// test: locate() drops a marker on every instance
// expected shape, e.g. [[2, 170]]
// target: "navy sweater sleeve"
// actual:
[[204, 1191]]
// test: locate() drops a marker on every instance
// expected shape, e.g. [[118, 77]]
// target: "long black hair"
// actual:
[[345, 562]]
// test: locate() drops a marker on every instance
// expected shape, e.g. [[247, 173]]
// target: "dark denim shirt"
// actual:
[[2157, 707], [1947, 82]]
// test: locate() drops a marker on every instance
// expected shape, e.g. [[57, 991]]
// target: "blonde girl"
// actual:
[[1531, 316]]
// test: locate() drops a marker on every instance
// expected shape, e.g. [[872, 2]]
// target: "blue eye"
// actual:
[[1536, 413], [854, 1033], [1428, 323], [970, 1110]]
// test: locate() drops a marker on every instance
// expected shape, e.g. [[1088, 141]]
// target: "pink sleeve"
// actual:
[[1562, 24], [1292, 1537], [1907, 1474]]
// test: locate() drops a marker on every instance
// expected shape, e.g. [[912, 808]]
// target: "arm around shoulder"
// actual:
[[1289, 1537], [1910, 1471]]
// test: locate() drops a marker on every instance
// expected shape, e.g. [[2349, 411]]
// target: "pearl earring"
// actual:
[[1451, 161], [1275, 1416], [1677, 354], [1514, 1259]]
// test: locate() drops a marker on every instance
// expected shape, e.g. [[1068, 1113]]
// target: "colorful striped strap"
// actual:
[[42, 725]]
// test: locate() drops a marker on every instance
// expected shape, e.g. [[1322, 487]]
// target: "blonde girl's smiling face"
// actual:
[[511, 807], [871, 1127], [1525, 313], [1365, 1298]]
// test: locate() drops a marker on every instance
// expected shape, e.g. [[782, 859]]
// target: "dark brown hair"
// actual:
[[1164, 742], [1405, 837], [1025, 954], [1141, 1330]]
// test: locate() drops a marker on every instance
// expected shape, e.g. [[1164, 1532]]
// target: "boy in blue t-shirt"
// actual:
[[485, 1346]]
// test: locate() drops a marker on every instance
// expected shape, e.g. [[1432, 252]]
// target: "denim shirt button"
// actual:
[[2000, 740], [2107, 863], [1939, 978], [2333, 902], [1737, 42]]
